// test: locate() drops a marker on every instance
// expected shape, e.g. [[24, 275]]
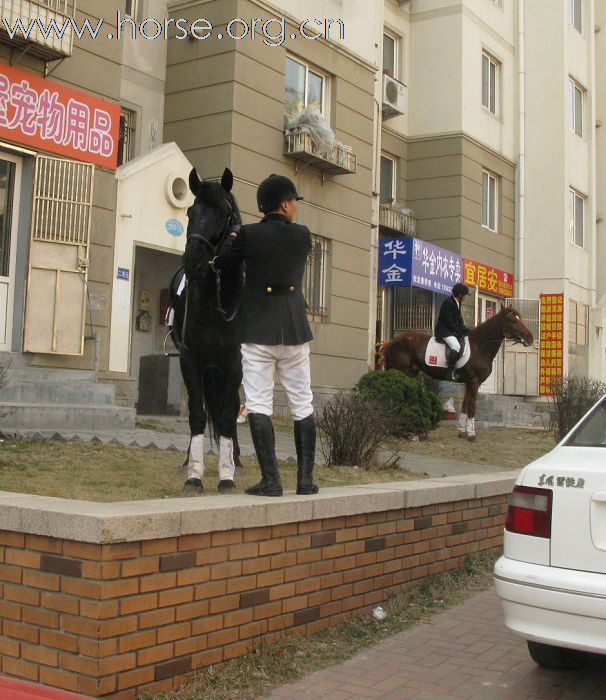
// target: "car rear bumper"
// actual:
[[555, 606]]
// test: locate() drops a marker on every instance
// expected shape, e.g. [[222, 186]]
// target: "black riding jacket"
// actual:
[[273, 310], [450, 320]]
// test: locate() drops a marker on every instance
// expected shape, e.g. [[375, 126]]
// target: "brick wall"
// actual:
[[117, 619]]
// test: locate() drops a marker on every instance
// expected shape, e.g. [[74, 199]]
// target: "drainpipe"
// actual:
[[521, 219]]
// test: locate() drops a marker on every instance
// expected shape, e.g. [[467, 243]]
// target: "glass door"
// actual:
[[10, 177], [488, 307]]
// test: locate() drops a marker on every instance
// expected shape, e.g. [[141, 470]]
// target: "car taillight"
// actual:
[[529, 511]]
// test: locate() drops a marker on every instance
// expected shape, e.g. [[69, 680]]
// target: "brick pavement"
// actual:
[[462, 653]]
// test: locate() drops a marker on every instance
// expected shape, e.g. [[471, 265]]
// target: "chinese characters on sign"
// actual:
[[395, 255], [488, 279], [434, 268], [551, 366], [50, 116]]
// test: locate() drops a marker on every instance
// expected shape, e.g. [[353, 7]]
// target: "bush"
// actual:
[[572, 398], [416, 409], [351, 430]]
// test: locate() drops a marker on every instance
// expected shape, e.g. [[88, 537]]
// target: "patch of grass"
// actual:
[[106, 473], [505, 448], [270, 666]]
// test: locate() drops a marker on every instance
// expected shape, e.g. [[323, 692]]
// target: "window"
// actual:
[[575, 13], [126, 142], [490, 193], [576, 99], [578, 337], [577, 217], [390, 55], [305, 87], [7, 183], [490, 82], [314, 281], [130, 8], [388, 180]]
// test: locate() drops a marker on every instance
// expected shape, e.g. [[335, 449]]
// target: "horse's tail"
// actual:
[[212, 391]]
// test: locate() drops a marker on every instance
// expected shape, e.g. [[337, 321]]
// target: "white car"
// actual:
[[552, 576]]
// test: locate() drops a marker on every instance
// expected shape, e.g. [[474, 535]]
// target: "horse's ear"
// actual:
[[227, 181], [195, 184]]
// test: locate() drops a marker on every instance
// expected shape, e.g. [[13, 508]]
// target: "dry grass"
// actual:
[[506, 448], [96, 472], [270, 666]]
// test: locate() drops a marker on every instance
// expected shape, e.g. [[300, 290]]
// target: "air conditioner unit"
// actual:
[[395, 97]]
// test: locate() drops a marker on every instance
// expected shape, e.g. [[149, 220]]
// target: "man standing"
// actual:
[[274, 330], [451, 327]]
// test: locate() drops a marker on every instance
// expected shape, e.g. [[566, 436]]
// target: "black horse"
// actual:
[[203, 330]]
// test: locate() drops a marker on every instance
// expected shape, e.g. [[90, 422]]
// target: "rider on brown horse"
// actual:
[[450, 326]]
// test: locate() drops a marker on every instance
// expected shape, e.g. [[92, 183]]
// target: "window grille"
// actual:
[[314, 281]]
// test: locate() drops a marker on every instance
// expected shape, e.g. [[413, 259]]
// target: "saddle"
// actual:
[[435, 354]]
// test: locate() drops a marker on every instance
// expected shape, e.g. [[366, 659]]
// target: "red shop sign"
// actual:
[[52, 117], [487, 278]]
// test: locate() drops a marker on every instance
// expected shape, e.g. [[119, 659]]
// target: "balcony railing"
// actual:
[[339, 161], [392, 218], [49, 33]]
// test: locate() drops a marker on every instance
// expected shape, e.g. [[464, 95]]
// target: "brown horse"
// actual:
[[406, 352]]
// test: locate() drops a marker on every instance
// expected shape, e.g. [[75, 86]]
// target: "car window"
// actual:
[[592, 432]]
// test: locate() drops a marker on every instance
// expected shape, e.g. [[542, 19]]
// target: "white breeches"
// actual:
[[452, 343], [291, 364]]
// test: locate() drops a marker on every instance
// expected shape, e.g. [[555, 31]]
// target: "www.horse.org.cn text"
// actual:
[[273, 32]]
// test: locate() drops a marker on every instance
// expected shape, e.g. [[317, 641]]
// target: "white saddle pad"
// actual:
[[435, 354]]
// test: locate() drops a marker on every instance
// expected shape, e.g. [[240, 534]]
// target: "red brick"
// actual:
[[123, 625], [191, 645], [20, 668], [242, 583], [22, 557], [38, 579], [124, 550], [223, 637], [82, 665], [207, 624], [138, 603], [60, 602], [198, 575], [153, 655], [12, 539], [10, 647], [228, 537], [40, 618], [256, 534], [83, 589], [176, 596], [158, 582], [225, 603], [134, 679], [208, 658], [272, 547], [188, 612], [243, 551], [268, 610], [58, 640], [210, 590], [254, 566], [41, 543], [99, 610], [83, 550], [237, 617], [174, 632], [239, 649], [270, 578], [98, 649], [139, 567], [187, 542], [18, 630], [140, 640], [10, 611], [118, 589], [156, 618], [298, 542]]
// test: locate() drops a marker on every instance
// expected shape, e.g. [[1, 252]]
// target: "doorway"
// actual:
[[10, 187]]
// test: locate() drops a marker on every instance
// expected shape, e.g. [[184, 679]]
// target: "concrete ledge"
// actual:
[[130, 521]]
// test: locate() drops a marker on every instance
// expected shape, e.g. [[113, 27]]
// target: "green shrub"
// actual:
[[417, 410]]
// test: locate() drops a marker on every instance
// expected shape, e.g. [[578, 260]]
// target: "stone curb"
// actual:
[[101, 523]]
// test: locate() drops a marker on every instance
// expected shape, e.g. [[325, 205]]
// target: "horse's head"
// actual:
[[513, 327], [211, 216]]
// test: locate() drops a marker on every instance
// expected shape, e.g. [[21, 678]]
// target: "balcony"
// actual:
[[396, 218], [39, 19], [299, 145]]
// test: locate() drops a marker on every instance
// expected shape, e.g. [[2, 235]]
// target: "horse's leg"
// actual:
[[192, 376], [471, 410], [463, 416], [232, 378]]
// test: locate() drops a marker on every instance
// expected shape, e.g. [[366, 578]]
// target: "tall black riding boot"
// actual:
[[453, 356], [264, 440], [305, 443]]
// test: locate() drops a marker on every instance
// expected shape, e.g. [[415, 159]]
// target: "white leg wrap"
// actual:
[[471, 426], [227, 467], [463, 423], [195, 466]]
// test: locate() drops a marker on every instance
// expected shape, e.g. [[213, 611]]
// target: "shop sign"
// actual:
[[551, 357], [488, 279], [395, 262], [435, 268], [52, 117]]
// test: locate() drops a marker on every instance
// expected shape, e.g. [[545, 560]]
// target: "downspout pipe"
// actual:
[[521, 218]]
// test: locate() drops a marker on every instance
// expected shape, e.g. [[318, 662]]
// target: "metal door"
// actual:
[[521, 365], [488, 307], [10, 187], [59, 255]]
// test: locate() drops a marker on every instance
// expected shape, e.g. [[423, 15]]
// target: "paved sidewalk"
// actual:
[[464, 652]]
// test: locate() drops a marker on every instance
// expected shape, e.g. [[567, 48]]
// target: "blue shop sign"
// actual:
[[395, 262], [435, 268], [175, 227]]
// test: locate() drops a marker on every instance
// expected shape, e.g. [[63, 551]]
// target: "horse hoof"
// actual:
[[462, 434], [226, 486], [193, 486], [471, 438]]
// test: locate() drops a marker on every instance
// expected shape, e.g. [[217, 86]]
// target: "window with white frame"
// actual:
[[576, 100], [490, 198], [131, 8], [305, 87], [387, 192], [126, 139], [315, 279], [577, 217], [490, 82], [390, 54], [575, 14]]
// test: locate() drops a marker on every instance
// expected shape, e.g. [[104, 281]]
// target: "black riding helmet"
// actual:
[[460, 290], [274, 190]]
